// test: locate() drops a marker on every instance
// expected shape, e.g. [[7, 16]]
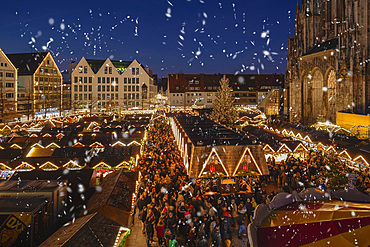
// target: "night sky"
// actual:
[[193, 36]]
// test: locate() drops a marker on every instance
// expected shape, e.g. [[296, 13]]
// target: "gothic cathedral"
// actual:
[[327, 65]]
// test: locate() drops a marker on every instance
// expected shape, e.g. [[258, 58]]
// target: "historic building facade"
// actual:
[[39, 83], [327, 67], [108, 85], [8, 88]]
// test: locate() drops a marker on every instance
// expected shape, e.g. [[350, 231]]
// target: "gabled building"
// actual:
[[8, 88], [108, 85], [200, 90], [39, 84]]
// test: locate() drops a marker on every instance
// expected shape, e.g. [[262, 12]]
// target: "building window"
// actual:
[[103, 88], [137, 96], [125, 96], [90, 88], [48, 62], [85, 88], [76, 96], [9, 95], [80, 88], [125, 80], [85, 79], [46, 71], [99, 88], [80, 96], [106, 70], [90, 96], [116, 95], [79, 79], [99, 79], [99, 96], [103, 79], [112, 88], [9, 75], [85, 96], [129, 88], [85, 69], [129, 80], [116, 80], [108, 80], [108, 87], [110, 70], [137, 80], [90, 79], [103, 96], [80, 69], [133, 71], [137, 71], [209, 100], [125, 88]]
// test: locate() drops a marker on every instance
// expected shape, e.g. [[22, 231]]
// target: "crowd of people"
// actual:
[[175, 210], [296, 174]]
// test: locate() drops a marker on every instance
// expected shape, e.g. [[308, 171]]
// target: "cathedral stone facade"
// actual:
[[327, 65]]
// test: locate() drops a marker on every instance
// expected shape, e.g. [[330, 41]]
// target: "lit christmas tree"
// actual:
[[224, 110]]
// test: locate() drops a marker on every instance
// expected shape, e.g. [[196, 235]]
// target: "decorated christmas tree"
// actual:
[[224, 110]]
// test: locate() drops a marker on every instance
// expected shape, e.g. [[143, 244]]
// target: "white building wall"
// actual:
[[109, 90]]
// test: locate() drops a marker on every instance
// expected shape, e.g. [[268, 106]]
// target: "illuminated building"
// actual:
[[39, 84], [108, 85]]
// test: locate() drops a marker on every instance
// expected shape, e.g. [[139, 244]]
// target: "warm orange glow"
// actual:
[[78, 145], [47, 135], [24, 166], [345, 154], [52, 145], [284, 149], [299, 136], [49, 166], [5, 167], [15, 146], [307, 139], [268, 149], [331, 149], [96, 145], [300, 145], [71, 165], [361, 158], [123, 164], [33, 135], [134, 142], [119, 144], [218, 157], [241, 158], [284, 132], [105, 165]]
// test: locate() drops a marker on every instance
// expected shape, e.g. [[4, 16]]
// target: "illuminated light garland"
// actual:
[[96, 144], [362, 158], [241, 158], [47, 135], [331, 148], [1, 148], [33, 135], [103, 164], [48, 163], [299, 136], [307, 139], [123, 165], [71, 162], [345, 153], [16, 146], [284, 132], [282, 147], [37, 145], [24, 164], [119, 144], [52, 145], [219, 159], [300, 145], [5, 166], [78, 144], [60, 136], [134, 142], [267, 146]]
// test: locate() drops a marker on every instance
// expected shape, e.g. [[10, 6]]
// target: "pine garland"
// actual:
[[224, 110]]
